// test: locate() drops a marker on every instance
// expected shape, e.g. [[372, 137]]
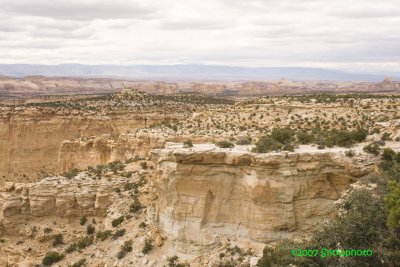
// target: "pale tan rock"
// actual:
[[206, 195], [57, 196]]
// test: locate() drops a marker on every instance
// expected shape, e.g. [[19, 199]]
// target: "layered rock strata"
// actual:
[[55, 196], [30, 141], [207, 194], [83, 152]]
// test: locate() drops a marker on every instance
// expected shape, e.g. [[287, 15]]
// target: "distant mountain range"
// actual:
[[188, 72]]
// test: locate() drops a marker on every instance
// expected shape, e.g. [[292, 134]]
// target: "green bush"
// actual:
[[117, 221], [372, 148], [103, 235], [305, 138], [135, 206], [71, 174], [118, 234], [85, 242], [350, 153], [188, 143], [245, 140], [224, 144], [71, 248], [267, 144], [125, 248], [52, 257], [148, 246], [83, 220], [392, 201], [282, 135], [80, 263], [143, 164], [58, 240], [116, 166]]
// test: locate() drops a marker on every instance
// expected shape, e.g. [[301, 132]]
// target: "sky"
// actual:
[[361, 35]]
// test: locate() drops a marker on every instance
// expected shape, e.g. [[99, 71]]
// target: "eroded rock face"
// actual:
[[30, 141], [55, 196], [206, 195], [81, 153]]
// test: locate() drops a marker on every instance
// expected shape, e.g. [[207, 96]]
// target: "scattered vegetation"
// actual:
[[103, 235], [125, 248], [52, 257], [148, 246], [58, 240], [188, 143], [224, 144], [118, 221]]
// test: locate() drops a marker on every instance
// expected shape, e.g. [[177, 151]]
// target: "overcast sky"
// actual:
[[343, 34]]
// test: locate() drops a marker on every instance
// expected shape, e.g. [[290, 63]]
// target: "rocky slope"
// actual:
[[30, 140], [207, 194]]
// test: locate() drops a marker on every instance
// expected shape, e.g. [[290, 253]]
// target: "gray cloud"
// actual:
[[352, 34], [81, 10]]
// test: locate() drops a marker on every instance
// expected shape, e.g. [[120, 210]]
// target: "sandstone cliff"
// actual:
[[30, 140], [83, 152], [54, 196], [206, 194]]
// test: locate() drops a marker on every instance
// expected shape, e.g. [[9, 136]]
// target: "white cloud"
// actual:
[[347, 34]]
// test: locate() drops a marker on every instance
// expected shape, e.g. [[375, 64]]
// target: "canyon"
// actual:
[[185, 173]]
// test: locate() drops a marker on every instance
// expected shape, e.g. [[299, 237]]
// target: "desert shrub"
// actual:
[[71, 174], [117, 221], [174, 262], [282, 135], [85, 242], [266, 144], [103, 235], [90, 229], [143, 164], [305, 138], [288, 147], [389, 154], [372, 148], [224, 144], [116, 166], [244, 140], [79, 263], [135, 206], [148, 246], [142, 225], [83, 220], [118, 234], [125, 248], [71, 248], [392, 201], [385, 137], [350, 153], [188, 143], [52, 257], [58, 240], [47, 230]]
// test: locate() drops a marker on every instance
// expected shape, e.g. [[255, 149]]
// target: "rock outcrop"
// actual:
[[83, 152], [55, 196], [207, 194], [30, 141]]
